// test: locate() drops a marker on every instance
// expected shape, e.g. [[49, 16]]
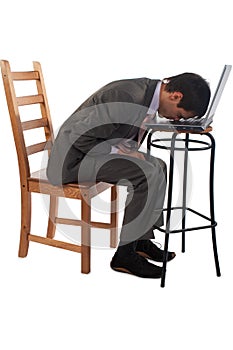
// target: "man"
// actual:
[[100, 142]]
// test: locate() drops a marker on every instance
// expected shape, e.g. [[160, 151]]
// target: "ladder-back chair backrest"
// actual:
[[19, 127]]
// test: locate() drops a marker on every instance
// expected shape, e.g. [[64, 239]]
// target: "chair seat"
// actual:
[[38, 182]]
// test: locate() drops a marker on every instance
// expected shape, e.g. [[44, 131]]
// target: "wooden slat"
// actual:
[[55, 243], [38, 147], [33, 124], [29, 100], [25, 75]]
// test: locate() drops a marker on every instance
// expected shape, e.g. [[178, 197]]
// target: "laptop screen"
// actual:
[[218, 92]]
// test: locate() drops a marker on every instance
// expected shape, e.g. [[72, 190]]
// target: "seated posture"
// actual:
[[100, 142]]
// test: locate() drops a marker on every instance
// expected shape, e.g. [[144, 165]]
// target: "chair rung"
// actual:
[[55, 243], [25, 75], [29, 100], [33, 124], [75, 222], [38, 147]]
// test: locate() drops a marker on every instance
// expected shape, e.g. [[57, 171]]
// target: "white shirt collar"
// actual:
[[154, 105]]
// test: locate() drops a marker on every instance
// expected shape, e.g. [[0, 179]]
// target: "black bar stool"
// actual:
[[188, 145]]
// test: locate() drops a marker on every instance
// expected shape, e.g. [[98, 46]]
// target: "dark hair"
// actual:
[[195, 90]]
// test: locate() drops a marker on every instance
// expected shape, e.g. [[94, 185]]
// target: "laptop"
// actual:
[[194, 124]]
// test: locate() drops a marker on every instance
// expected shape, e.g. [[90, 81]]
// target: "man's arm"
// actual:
[[134, 154]]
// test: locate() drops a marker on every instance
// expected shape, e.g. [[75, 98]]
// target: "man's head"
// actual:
[[184, 96]]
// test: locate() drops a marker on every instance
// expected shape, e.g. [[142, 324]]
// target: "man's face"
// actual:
[[168, 106]]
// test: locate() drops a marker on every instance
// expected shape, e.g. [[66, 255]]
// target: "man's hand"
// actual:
[[133, 154]]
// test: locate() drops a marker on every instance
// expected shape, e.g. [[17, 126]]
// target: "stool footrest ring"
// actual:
[[213, 224]]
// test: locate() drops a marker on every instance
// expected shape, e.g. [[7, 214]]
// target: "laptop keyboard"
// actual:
[[188, 122]]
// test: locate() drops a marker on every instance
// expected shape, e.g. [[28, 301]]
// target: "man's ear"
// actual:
[[176, 96]]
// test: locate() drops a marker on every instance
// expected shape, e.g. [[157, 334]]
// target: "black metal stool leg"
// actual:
[[212, 214], [169, 209], [184, 191], [149, 137]]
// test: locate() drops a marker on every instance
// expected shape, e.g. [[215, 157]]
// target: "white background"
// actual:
[[45, 302]]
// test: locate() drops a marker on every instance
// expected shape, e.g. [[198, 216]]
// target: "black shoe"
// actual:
[[135, 264], [149, 250]]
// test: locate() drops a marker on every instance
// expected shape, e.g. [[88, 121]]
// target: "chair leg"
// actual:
[[25, 222], [86, 234], [53, 208], [114, 217]]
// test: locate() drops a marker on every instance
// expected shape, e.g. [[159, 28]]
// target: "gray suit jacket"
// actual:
[[113, 113]]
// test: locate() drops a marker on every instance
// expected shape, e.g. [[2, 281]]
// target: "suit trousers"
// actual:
[[146, 186]]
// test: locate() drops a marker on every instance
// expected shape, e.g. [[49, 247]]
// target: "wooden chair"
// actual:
[[37, 181]]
